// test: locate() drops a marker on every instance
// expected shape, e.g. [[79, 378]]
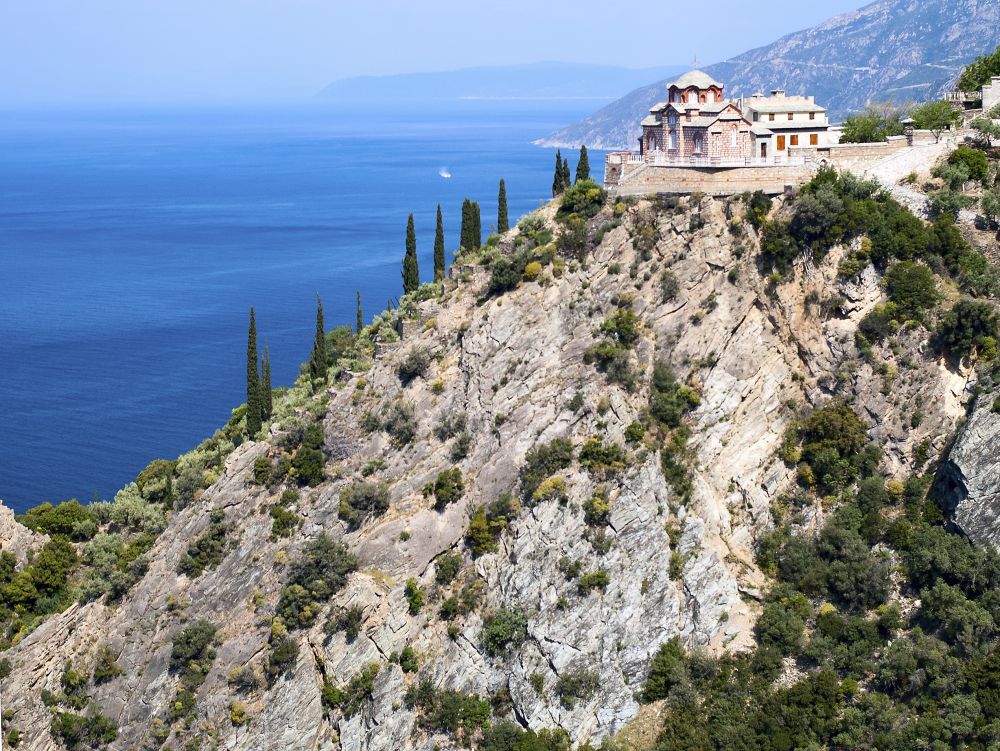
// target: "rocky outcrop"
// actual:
[[970, 478], [16, 538], [757, 354]]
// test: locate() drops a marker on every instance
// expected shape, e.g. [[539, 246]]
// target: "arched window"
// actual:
[[697, 144], [703, 99], [673, 139]]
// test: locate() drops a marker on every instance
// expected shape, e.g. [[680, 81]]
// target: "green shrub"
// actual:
[[833, 437], [362, 500], [451, 424], [208, 549], [350, 698], [780, 628], [488, 522], [82, 731], [448, 488], [592, 580], [346, 621], [600, 459], [283, 521], [668, 399], [314, 578], [503, 631], [400, 422], [70, 519], [970, 323], [507, 273], [106, 668], [463, 603], [309, 460], [585, 199], [669, 669], [758, 207], [975, 162], [576, 683], [622, 327], [573, 237], [541, 462], [911, 288], [193, 644], [880, 322], [448, 567], [414, 365], [156, 482], [282, 657], [414, 596], [461, 715], [263, 471], [597, 508]]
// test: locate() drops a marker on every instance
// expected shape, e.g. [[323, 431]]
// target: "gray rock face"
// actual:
[[970, 478], [757, 357]]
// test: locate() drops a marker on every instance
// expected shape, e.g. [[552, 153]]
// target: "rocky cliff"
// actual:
[[890, 50], [554, 605]]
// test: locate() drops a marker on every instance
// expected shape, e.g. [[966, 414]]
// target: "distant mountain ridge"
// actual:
[[535, 80], [892, 49]]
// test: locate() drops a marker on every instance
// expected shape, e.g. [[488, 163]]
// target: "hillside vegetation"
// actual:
[[668, 452]]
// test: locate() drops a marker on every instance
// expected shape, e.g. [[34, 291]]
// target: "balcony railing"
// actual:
[[664, 159]]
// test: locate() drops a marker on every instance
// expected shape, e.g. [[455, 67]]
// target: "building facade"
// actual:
[[782, 122], [698, 124]]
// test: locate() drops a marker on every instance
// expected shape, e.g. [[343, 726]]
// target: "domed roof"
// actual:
[[696, 78]]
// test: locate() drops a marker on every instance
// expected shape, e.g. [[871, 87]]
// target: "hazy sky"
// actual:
[[107, 50]]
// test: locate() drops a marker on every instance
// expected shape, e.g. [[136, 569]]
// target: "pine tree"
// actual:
[[411, 273], [267, 403], [477, 226], [557, 178], [317, 360], [503, 224], [253, 380], [361, 318], [583, 166], [439, 248], [567, 179]]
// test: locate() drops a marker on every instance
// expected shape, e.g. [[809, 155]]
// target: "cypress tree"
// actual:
[[361, 318], [267, 403], [567, 179], [253, 380], [439, 248], [557, 178], [465, 234], [317, 360], [411, 273], [583, 165], [477, 226], [503, 224]]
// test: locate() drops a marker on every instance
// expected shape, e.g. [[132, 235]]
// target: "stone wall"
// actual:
[[712, 181]]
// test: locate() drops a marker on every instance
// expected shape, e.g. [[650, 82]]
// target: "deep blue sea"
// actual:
[[133, 243]]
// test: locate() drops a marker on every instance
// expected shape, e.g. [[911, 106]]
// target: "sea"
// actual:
[[133, 243]]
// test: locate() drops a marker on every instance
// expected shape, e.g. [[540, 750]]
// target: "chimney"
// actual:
[[780, 93], [811, 99]]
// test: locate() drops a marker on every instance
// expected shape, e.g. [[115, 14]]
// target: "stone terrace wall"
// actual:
[[644, 179]]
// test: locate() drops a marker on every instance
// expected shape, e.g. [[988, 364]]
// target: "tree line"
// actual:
[[470, 238]]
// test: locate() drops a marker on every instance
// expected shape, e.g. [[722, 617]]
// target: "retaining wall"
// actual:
[[712, 181]]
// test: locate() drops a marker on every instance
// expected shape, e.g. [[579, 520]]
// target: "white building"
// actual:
[[782, 122]]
